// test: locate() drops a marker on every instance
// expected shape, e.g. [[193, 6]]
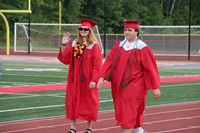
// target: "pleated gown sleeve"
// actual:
[[151, 74], [65, 59], [96, 64]]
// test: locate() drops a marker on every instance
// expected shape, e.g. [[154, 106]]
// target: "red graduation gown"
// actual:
[[81, 101], [143, 74]]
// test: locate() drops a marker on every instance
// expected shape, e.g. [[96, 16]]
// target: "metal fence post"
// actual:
[[0, 71]]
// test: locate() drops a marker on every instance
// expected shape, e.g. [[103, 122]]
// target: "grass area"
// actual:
[[38, 72], [165, 72], [32, 72], [51, 103]]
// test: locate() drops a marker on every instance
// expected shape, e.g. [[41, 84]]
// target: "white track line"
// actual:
[[51, 126], [174, 111], [45, 118], [174, 104], [102, 129], [168, 120], [101, 112], [179, 129], [36, 128], [109, 119], [40, 107]]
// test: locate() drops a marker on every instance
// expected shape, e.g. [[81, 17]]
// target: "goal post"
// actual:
[[45, 37], [7, 25]]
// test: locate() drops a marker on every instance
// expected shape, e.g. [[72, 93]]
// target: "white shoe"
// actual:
[[138, 130]]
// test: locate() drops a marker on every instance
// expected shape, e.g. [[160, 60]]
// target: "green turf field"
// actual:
[[51, 103]]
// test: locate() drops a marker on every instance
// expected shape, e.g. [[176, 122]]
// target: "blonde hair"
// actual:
[[91, 37]]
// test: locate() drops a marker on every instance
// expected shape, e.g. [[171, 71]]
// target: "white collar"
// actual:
[[128, 45]]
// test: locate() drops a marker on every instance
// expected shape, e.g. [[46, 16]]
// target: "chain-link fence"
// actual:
[[0, 71], [164, 40]]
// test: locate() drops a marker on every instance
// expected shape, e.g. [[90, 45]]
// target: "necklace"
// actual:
[[79, 49]]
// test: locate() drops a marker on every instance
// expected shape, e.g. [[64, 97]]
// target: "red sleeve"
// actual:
[[65, 59], [151, 74], [106, 69], [97, 63]]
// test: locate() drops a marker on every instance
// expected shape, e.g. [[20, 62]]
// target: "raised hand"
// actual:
[[66, 38]]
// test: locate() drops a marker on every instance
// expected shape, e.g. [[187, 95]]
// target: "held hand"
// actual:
[[100, 83], [92, 84], [156, 93], [66, 38]]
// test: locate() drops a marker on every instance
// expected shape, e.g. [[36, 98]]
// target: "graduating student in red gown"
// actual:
[[132, 70], [83, 55]]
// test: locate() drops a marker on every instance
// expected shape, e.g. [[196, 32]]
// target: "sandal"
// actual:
[[88, 130], [72, 131]]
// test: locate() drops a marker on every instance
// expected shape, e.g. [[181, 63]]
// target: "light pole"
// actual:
[[189, 29], [105, 16]]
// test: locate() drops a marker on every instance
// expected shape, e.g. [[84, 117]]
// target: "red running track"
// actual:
[[168, 118]]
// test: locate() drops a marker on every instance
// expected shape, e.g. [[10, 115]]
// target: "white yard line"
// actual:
[[40, 107]]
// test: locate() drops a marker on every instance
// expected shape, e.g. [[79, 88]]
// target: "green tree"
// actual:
[[131, 9], [157, 12], [72, 10], [114, 16], [195, 12], [94, 10], [150, 12], [12, 18]]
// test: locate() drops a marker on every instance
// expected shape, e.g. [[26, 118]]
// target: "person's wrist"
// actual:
[[63, 44]]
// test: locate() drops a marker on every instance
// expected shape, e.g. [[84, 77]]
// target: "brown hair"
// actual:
[[137, 30]]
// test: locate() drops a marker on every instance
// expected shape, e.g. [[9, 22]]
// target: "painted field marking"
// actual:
[[179, 129], [28, 95], [168, 120], [96, 129], [109, 100]]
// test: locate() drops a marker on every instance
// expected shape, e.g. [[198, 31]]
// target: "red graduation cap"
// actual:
[[131, 24], [87, 22]]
